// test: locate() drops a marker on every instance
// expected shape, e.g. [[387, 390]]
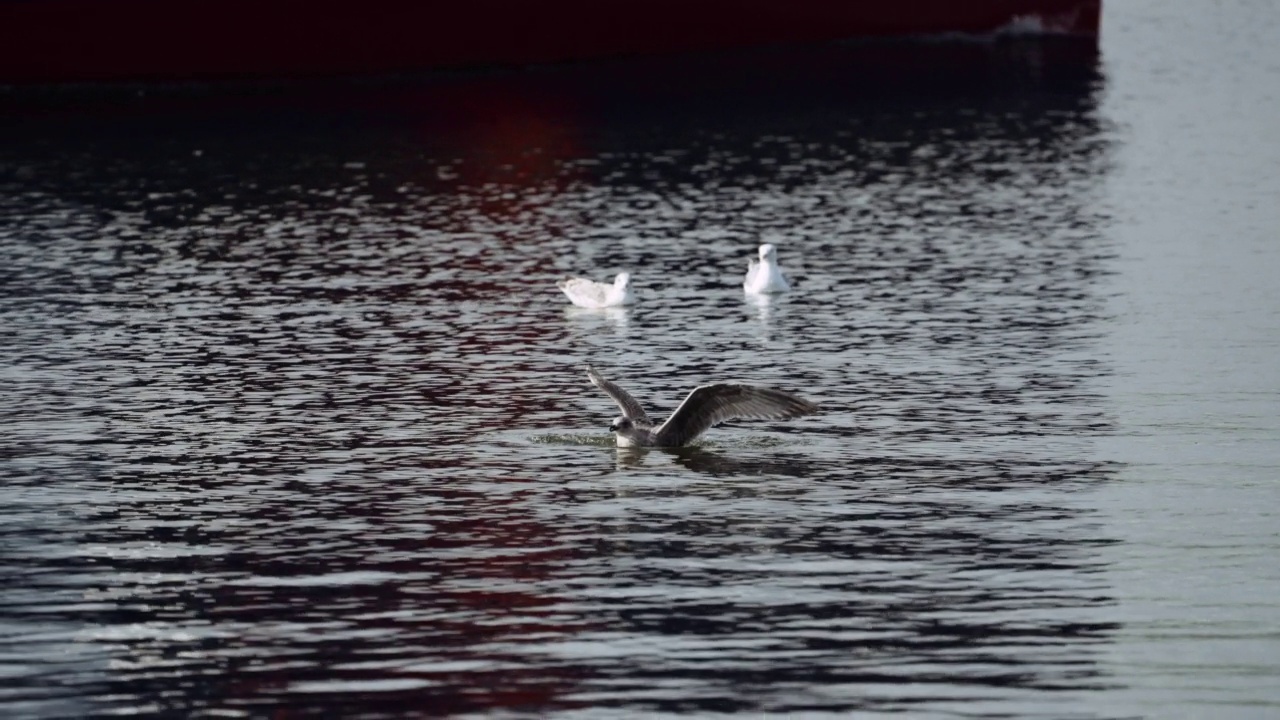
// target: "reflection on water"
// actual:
[[297, 421], [588, 322]]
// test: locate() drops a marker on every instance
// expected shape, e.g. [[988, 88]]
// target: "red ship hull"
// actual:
[[59, 41]]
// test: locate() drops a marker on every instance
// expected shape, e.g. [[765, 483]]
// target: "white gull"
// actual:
[[765, 276], [590, 294]]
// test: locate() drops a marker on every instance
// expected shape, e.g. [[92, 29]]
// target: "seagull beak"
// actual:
[[613, 427]]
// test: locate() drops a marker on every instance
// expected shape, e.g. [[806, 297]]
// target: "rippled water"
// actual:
[[296, 422]]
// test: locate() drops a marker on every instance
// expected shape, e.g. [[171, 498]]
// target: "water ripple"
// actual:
[[297, 422]]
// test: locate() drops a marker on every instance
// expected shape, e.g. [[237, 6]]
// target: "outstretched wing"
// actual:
[[631, 408], [585, 293], [710, 405]]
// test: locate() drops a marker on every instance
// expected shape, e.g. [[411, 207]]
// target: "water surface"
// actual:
[[296, 422]]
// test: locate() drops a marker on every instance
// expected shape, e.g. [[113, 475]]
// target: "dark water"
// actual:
[[295, 421]]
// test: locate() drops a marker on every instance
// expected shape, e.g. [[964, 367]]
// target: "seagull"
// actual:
[[590, 294], [765, 276], [704, 408]]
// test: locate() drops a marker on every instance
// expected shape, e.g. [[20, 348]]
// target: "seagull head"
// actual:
[[622, 280], [621, 424], [767, 251]]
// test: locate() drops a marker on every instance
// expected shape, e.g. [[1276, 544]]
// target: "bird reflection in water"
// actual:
[[710, 462], [764, 306], [590, 320]]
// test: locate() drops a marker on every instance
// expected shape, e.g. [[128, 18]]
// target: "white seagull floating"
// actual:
[[765, 276], [590, 294], [704, 408]]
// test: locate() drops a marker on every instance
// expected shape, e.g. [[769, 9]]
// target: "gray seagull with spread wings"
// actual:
[[704, 408]]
